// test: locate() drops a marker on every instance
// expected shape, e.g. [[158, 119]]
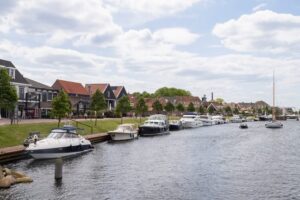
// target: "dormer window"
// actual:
[[12, 73]]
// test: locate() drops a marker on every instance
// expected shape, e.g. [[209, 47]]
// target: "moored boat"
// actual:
[[155, 125], [175, 125], [218, 119], [61, 142], [206, 120], [124, 132], [191, 120]]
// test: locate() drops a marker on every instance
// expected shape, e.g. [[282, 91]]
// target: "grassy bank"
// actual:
[[12, 135]]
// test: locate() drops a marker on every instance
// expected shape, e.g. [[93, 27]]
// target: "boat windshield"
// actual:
[[125, 128], [58, 135]]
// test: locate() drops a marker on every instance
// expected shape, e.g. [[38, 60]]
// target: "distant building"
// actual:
[[78, 95], [106, 90], [119, 91], [39, 99], [21, 85]]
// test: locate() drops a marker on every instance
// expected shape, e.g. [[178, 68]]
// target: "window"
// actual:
[[21, 92], [11, 73], [44, 96], [50, 96]]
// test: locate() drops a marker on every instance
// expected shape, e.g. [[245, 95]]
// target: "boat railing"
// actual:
[[77, 123]]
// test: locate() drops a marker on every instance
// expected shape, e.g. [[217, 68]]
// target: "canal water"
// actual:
[[219, 162]]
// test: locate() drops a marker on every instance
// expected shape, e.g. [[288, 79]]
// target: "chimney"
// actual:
[[212, 96]]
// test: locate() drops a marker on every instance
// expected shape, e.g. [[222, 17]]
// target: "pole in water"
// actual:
[[58, 168]]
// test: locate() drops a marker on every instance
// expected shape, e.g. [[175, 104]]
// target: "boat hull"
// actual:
[[274, 125], [115, 136], [175, 127], [60, 152], [152, 131]]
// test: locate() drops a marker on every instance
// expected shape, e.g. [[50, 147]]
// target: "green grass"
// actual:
[[12, 135]]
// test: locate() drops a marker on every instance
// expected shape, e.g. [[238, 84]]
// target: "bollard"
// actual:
[[58, 168]]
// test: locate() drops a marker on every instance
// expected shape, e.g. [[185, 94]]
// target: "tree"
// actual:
[[98, 104], [123, 107], [219, 101], [61, 106], [201, 110], [169, 107], [210, 110], [171, 92], [141, 107], [8, 94], [228, 110], [191, 107], [157, 107], [180, 107], [236, 111]]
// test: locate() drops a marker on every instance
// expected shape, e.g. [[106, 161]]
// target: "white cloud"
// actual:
[[263, 31], [176, 36], [259, 7]]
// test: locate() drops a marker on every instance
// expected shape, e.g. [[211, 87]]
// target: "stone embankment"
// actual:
[[10, 177]]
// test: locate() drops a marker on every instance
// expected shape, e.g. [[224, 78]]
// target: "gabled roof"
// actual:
[[92, 88], [38, 85], [70, 87], [6, 63], [117, 90]]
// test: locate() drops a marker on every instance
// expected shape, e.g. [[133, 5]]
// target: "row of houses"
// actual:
[[35, 98]]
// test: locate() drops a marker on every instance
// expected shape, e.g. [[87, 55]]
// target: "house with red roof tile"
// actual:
[[106, 90], [78, 95]]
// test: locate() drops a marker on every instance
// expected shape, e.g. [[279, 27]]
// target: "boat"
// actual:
[[243, 126], [155, 125], [175, 125], [60, 143], [124, 132], [206, 120], [274, 123], [191, 120], [236, 119], [218, 119]]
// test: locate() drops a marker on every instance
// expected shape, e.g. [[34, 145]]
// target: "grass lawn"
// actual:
[[12, 135]]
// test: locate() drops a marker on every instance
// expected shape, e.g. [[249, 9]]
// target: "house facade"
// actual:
[[119, 91], [38, 99], [106, 90], [21, 85], [78, 95]]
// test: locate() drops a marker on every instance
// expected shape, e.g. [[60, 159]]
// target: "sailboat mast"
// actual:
[[273, 110]]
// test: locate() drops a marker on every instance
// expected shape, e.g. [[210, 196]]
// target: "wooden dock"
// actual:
[[10, 154]]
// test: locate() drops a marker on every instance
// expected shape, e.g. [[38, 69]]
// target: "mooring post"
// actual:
[[58, 168]]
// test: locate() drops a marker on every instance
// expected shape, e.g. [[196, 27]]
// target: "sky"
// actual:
[[229, 47]]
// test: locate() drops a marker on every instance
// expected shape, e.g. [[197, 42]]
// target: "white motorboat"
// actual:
[[191, 120], [236, 119], [175, 125], [218, 119], [206, 120], [61, 142], [155, 125], [273, 124], [124, 132]]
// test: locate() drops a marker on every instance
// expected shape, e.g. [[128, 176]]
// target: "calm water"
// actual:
[[219, 162]]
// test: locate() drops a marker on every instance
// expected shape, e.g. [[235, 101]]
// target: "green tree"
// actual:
[[228, 110], [123, 107], [170, 92], [141, 108], [61, 106], [191, 107], [180, 107], [210, 110], [157, 107], [219, 101], [259, 111], [201, 110], [98, 104], [236, 111], [169, 107], [8, 94]]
